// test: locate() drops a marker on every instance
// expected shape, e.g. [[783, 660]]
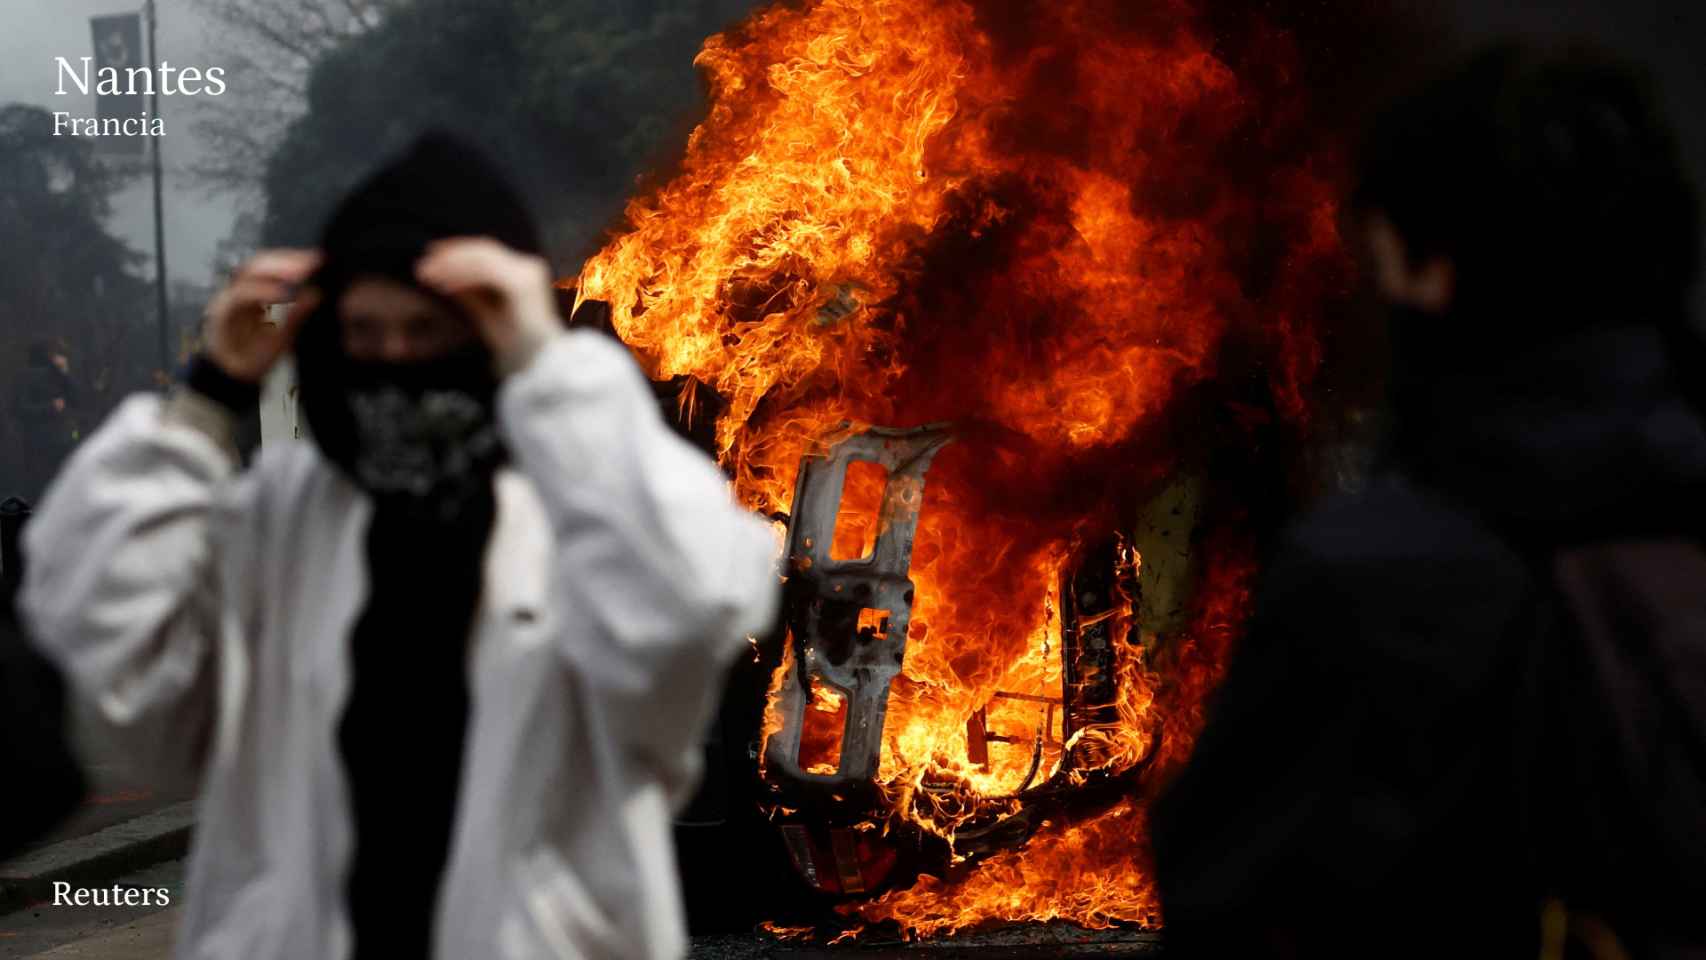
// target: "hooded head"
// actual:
[[395, 383], [1518, 210], [1525, 196]]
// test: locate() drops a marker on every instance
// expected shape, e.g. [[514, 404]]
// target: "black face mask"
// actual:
[[424, 435]]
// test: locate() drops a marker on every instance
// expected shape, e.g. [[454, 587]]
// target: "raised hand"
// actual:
[[237, 336], [507, 293]]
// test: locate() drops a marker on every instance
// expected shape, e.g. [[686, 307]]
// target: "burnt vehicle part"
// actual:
[[1099, 595], [848, 618], [846, 622], [1102, 587]]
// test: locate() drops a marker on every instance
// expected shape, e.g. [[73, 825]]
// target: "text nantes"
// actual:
[[164, 79]]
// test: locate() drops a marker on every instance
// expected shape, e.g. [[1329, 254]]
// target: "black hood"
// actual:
[[440, 187]]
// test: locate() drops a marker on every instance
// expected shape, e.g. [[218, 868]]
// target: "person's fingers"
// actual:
[[461, 275], [256, 292], [470, 245], [288, 266], [466, 263], [280, 262], [507, 292]]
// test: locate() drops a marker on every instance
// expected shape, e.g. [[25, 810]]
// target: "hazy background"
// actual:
[[36, 31], [581, 98]]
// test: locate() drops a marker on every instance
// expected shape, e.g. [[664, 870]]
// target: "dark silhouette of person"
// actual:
[[46, 781], [1368, 781]]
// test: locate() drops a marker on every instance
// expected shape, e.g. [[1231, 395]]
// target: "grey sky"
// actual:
[[37, 31]]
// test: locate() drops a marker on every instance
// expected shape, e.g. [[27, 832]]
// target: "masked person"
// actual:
[[440, 672], [1469, 715]]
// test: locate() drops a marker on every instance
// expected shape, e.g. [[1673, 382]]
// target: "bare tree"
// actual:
[[267, 48]]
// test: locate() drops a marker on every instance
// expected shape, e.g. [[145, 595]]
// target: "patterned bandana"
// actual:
[[424, 433]]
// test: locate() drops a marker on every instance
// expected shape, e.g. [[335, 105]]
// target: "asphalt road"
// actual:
[[98, 933]]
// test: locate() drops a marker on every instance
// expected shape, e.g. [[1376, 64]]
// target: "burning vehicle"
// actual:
[[845, 644], [1007, 314]]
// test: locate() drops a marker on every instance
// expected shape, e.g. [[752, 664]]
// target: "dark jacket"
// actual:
[[1357, 789]]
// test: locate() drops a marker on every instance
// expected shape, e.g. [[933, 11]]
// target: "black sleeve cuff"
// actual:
[[206, 378]]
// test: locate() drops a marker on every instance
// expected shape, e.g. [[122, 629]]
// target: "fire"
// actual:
[[1019, 219]]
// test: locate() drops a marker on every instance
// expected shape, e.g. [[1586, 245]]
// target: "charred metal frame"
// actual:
[[827, 596], [847, 622]]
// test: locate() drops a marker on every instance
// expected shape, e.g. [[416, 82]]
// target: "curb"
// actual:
[[97, 858]]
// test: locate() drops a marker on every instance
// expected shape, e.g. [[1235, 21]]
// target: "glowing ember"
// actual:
[[1017, 219]]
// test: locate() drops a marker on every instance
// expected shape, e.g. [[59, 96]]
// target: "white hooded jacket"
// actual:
[[206, 614]]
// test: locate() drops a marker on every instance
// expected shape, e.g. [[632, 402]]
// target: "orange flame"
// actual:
[[1021, 221]]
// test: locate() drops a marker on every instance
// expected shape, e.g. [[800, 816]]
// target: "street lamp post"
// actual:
[[159, 210]]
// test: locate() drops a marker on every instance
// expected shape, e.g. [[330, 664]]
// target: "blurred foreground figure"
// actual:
[[46, 780], [1469, 718], [442, 671]]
